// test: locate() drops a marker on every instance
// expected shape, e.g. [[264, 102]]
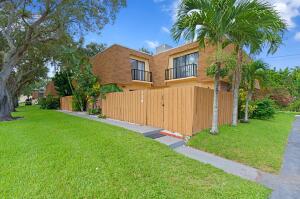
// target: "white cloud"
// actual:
[[152, 44], [171, 9], [288, 9], [297, 36], [165, 29], [174, 8]]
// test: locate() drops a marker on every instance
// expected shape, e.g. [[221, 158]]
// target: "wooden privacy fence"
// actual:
[[66, 103], [185, 110]]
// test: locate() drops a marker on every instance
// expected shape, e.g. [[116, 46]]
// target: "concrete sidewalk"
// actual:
[[145, 130], [230, 166]]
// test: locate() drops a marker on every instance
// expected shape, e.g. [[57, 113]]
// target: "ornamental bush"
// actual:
[[294, 106], [49, 102], [264, 109]]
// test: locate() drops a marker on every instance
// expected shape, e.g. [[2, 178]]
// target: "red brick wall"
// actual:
[[50, 89], [113, 64]]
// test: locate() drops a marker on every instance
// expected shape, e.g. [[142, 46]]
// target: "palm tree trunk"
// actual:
[[236, 87], [248, 98], [214, 130]]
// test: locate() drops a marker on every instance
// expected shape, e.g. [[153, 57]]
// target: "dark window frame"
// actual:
[[175, 60], [138, 62]]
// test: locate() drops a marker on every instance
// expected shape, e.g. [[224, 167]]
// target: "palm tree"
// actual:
[[256, 25], [209, 21], [248, 23], [252, 72]]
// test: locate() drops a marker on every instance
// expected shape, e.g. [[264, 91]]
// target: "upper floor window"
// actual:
[[139, 71], [136, 64], [186, 60]]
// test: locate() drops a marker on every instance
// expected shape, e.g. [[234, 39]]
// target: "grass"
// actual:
[[52, 155], [260, 143]]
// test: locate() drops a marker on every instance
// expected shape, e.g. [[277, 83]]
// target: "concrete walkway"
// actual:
[[289, 186], [286, 185], [229, 166], [145, 130]]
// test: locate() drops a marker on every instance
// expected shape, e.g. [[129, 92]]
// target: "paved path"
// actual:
[[145, 130], [285, 186], [289, 187], [230, 166]]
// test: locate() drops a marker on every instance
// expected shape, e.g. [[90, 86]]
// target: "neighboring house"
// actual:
[[37, 93], [50, 89], [169, 67]]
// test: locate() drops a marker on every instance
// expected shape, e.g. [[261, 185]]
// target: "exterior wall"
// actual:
[[161, 62], [135, 85], [164, 61], [113, 65], [35, 94], [50, 89]]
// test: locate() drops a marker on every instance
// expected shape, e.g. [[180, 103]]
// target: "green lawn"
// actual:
[[52, 155], [260, 143]]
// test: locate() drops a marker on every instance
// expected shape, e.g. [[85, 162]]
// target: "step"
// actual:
[[155, 136], [151, 132], [172, 142]]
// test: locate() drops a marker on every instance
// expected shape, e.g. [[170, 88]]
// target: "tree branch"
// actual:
[[7, 31]]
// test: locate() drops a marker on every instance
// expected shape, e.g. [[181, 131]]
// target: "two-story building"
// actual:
[[168, 67]]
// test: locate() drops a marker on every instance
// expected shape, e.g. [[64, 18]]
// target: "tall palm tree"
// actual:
[[209, 21], [265, 28], [252, 72]]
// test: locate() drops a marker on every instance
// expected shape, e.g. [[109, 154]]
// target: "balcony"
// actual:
[[181, 72], [141, 75]]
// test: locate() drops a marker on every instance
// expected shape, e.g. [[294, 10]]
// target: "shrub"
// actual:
[[102, 116], [294, 106], [79, 101], [264, 109], [49, 102], [94, 111], [242, 105], [281, 96]]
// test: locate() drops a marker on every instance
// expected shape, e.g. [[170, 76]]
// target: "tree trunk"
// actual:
[[15, 103], [5, 102], [214, 130], [236, 87], [248, 98]]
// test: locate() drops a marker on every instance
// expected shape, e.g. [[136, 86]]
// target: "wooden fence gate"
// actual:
[[66, 103], [184, 109]]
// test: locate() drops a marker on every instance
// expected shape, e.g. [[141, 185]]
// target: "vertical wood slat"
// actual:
[[184, 109], [66, 103], [204, 108]]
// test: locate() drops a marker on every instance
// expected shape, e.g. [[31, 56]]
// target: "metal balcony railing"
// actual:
[[181, 72], [141, 75]]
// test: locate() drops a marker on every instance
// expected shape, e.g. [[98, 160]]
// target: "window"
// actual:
[[186, 60], [138, 69], [185, 66], [136, 64]]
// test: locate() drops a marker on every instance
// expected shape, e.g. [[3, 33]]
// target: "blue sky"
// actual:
[[146, 23]]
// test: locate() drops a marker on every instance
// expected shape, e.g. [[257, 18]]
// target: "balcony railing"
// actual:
[[141, 75], [181, 72]]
